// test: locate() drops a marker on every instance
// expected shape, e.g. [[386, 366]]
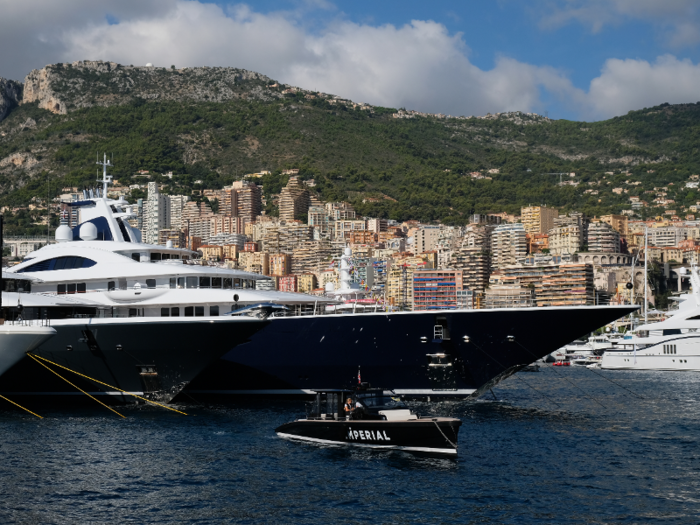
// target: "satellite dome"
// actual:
[[330, 287], [169, 244], [64, 233], [88, 231], [149, 65]]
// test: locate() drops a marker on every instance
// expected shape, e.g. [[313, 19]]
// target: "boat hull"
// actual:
[[152, 358], [296, 355], [435, 436], [684, 356], [17, 339]]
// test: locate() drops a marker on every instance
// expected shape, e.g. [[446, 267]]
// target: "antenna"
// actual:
[[106, 179]]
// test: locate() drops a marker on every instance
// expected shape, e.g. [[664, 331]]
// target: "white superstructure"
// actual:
[[672, 344], [105, 259]]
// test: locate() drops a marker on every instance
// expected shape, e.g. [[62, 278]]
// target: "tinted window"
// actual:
[[204, 282], [136, 257], [81, 287], [133, 312], [150, 283], [216, 282], [192, 282], [61, 288], [111, 285], [165, 312], [59, 263], [173, 282], [199, 311], [213, 310], [189, 311], [175, 312], [70, 288], [227, 283], [180, 282]]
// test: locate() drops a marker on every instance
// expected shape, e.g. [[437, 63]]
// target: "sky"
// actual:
[[570, 59]]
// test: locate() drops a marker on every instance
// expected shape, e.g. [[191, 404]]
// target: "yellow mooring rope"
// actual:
[[71, 384], [20, 406], [101, 383]]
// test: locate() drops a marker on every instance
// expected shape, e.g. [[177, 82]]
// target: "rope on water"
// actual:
[[103, 384], [20, 406]]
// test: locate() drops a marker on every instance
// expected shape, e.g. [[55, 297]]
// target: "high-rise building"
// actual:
[[157, 214], [508, 244], [602, 238], [294, 200], [538, 219], [436, 289], [426, 238], [619, 223], [177, 204], [565, 239], [248, 200]]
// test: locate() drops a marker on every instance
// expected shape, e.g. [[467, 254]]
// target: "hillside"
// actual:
[[215, 124]]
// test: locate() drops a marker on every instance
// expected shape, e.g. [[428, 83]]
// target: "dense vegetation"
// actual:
[[416, 168]]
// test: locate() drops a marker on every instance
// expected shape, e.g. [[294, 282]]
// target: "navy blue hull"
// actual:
[[297, 354]]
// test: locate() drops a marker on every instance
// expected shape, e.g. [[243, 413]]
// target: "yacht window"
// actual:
[[122, 228], [236, 283], [185, 257], [189, 311], [82, 287], [166, 256], [61, 288], [59, 263], [111, 285], [180, 282], [228, 282], [136, 257], [70, 288], [122, 284], [216, 282], [150, 283], [205, 282], [175, 312], [155, 256], [173, 282], [133, 312], [199, 311], [174, 256], [213, 311], [192, 282], [165, 312]]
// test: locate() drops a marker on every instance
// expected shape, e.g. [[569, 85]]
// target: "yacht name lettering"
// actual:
[[368, 435]]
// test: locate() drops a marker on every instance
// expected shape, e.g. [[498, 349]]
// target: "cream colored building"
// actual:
[[565, 239], [538, 219]]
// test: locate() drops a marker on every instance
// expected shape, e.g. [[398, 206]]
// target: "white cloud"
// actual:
[[676, 21], [626, 85]]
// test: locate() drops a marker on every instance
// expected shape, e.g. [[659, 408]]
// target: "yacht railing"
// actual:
[[28, 322]]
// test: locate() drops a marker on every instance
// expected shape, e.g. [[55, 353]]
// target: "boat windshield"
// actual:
[[380, 400]]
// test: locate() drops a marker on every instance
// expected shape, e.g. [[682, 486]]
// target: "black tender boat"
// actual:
[[379, 420]]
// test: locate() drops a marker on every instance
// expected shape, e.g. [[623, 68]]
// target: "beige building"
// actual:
[[508, 245], [619, 223], [294, 200], [306, 283], [426, 238], [565, 239], [256, 262], [538, 219]]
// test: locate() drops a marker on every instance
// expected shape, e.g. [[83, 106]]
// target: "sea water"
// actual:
[[557, 446]]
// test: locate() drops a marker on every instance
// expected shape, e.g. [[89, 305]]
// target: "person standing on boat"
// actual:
[[348, 408]]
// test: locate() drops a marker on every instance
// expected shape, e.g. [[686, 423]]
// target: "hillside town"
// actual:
[[540, 258]]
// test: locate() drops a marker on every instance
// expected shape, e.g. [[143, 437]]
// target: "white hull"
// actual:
[[18, 339], [681, 352]]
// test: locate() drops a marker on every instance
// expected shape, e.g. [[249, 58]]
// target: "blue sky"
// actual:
[[573, 59]]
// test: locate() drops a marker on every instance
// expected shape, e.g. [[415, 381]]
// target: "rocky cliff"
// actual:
[[10, 95], [61, 88]]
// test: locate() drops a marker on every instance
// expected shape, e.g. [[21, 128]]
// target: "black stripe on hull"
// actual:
[[121, 353], [317, 352]]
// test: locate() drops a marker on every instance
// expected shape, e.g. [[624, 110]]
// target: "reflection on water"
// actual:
[[541, 452]]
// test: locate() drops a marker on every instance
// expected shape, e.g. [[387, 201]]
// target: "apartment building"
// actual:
[[508, 244], [426, 238], [602, 238], [565, 239], [538, 219], [436, 289], [571, 286], [294, 200]]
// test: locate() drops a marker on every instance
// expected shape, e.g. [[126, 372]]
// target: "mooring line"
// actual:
[[105, 384], [74, 386], [566, 379], [516, 375], [20, 406]]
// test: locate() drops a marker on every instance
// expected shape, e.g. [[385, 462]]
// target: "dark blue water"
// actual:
[[569, 448]]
